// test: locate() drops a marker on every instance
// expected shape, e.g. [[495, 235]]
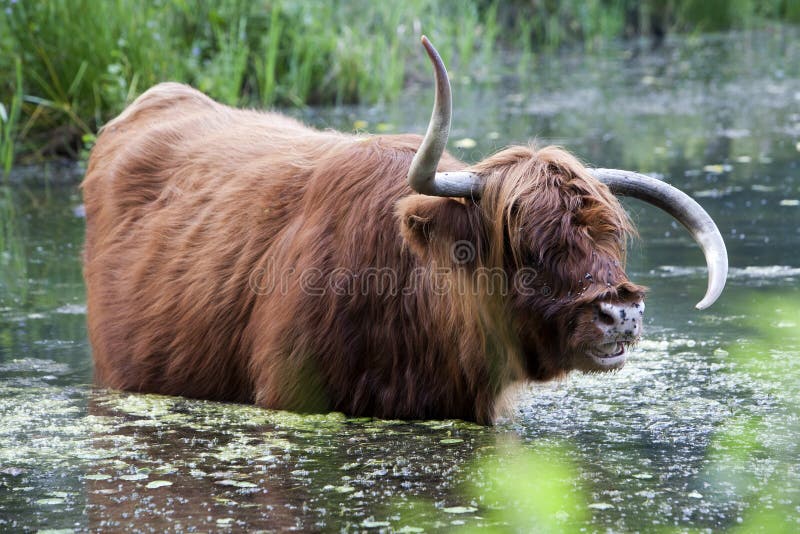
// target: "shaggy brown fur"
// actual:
[[188, 200]]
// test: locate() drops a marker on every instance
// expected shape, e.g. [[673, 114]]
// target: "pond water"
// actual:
[[699, 430]]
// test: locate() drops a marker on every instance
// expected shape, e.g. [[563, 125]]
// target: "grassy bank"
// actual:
[[83, 61]]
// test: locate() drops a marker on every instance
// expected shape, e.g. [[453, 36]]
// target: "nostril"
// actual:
[[605, 317]]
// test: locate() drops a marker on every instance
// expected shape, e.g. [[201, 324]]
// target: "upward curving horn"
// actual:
[[686, 211], [422, 175]]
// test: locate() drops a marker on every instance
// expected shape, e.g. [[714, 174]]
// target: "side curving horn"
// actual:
[[422, 175], [423, 178], [685, 210]]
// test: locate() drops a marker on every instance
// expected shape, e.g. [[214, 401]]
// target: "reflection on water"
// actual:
[[694, 431]]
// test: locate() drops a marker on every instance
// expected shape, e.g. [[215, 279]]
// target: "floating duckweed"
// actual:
[[119, 465], [166, 469], [359, 420], [459, 509], [97, 476], [50, 501], [717, 169], [248, 448], [371, 523], [450, 441], [137, 476], [344, 489], [601, 506], [439, 425], [144, 405], [158, 484]]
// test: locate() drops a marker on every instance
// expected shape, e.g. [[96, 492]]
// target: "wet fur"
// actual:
[[186, 199]]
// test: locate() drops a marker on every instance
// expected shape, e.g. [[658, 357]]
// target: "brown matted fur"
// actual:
[[187, 199]]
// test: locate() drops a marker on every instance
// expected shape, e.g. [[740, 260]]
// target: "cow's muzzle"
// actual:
[[621, 325]]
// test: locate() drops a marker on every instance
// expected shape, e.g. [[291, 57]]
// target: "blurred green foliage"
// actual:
[[529, 490], [769, 358]]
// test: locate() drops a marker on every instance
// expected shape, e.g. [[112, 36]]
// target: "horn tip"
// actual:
[[429, 48], [707, 301]]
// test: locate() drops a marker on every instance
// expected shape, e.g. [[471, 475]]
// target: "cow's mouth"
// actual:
[[609, 355]]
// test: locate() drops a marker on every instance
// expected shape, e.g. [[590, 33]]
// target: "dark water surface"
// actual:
[[699, 430]]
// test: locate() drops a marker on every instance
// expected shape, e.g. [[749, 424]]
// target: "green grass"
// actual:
[[83, 61], [770, 358]]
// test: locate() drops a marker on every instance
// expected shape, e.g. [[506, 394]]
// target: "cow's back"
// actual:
[[183, 198]]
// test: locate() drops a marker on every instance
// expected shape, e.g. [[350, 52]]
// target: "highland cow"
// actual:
[[242, 256]]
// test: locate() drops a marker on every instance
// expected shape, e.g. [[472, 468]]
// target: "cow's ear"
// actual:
[[433, 226]]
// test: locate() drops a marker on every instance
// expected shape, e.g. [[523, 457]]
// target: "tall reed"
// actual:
[[9, 118], [13, 280]]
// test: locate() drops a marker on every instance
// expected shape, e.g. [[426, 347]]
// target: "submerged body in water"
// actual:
[[177, 228]]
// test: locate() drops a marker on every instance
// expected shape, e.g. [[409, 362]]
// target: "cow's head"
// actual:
[[556, 231]]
